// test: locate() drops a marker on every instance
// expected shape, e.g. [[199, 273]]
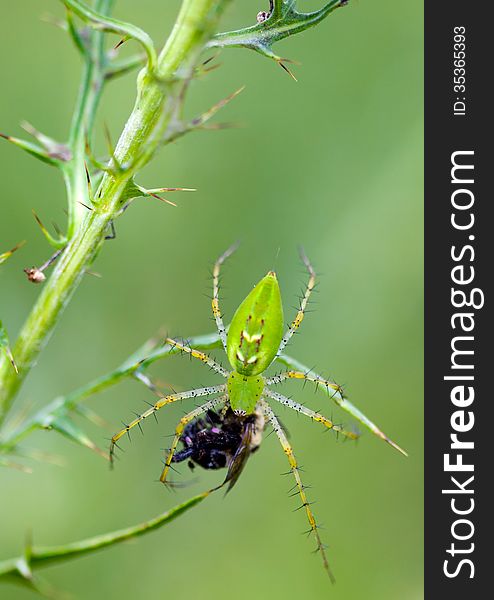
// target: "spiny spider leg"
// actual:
[[308, 376], [303, 304], [315, 416], [335, 392], [206, 391], [207, 360], [210, 405], [215, 301], [270, 416]]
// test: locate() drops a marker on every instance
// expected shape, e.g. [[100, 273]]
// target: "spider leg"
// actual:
[[315, 416], [335, 392], [303, 304], [294, 468], [215, 301], [210, 405], [206, 391], [207, 360]]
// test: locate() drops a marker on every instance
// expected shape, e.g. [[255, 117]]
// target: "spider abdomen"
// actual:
[[256, 329]]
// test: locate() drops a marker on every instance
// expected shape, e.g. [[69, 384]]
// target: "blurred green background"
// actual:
[[333, 162]]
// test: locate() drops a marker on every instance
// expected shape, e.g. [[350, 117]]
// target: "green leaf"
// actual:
[[57, 242], [10, 464], [6, 255], [21, 568], [133, 190], [69, 429], [122, 67], [338, 398], [283, 21], [5, 346], [104, 23], [178, 129], [33, 149], [55, 150]]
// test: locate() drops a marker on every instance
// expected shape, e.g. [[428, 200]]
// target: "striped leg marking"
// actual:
[[303, 305], [211, 405], [333, 389], [315, 416], [215, 301], [206, 391], [207, 360], [270, 416]]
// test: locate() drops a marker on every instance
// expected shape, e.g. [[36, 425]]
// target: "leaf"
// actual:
[[339, 399], [10, 464], [69, 429], [5, 346], [54, 149], [124, 66], [75, 34], [104, 23], [33, 149], [133, 190], [178, 129], [57, 242], [21, 568], [6, 255], [284, 20]]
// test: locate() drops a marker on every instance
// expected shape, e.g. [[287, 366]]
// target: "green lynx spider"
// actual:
[[254, 340]]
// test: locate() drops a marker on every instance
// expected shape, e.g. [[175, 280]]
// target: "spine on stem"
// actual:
[[161, 89]]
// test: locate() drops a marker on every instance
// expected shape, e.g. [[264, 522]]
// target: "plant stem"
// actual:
[[139, 361], [20, 568], [160, 95], [83, 120]]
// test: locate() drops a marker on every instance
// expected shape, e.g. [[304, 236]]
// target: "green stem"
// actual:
[[160, 95], [139, 361], [21, 568], [93, 77]]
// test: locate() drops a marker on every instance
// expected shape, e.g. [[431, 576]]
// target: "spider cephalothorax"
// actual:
[[242, 403]]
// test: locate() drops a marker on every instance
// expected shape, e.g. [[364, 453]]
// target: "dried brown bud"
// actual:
[[35, 275], [262, 16]]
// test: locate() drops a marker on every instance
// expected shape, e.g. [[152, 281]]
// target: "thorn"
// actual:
[[54, 149], [57, 229], [88, 178], [120, 43], [52, 20], [208, 60], [174, 189], [395, 445], [111, 150], [202, 119], [85, 205], [93, 273], [5, 255], [280, 61], [162, 199], [47, 235]]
